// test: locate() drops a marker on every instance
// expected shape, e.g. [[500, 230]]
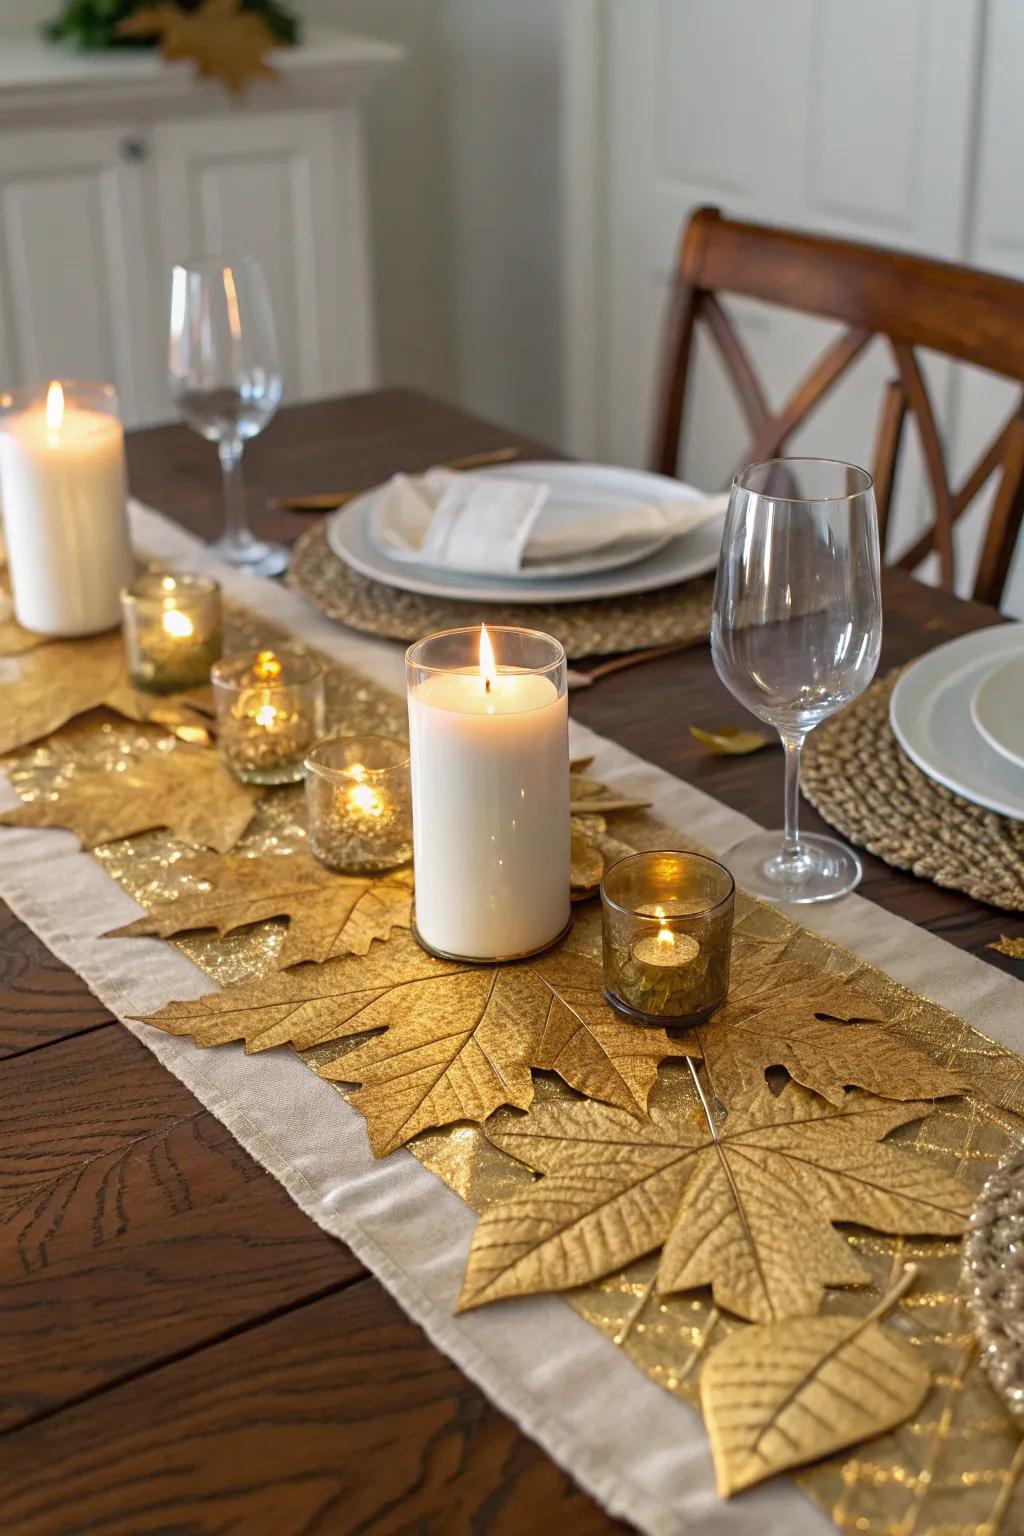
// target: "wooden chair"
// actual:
[[907, 302]]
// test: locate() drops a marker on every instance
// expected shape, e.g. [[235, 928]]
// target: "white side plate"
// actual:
[[997, 709], [930, 713], [693, 554]]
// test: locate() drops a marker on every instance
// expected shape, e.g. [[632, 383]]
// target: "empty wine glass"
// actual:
[[796, 632], [226, 382]]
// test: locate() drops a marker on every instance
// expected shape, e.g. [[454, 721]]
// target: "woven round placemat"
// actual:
[[854, 773], [672, 615]]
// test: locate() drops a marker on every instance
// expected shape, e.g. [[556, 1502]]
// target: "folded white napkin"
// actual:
[[498, 526]]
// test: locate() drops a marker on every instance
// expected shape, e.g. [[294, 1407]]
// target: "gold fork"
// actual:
[[326, 501]]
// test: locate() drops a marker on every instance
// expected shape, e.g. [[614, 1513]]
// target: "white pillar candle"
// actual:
[[62, 478], [490, 793]]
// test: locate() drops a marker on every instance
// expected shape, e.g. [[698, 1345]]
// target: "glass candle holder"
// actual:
[[667, 922], [270, 711], [359, 803], [488, 733], [172, 631]]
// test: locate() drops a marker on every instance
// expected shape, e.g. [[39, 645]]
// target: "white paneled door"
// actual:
[[853, 119]]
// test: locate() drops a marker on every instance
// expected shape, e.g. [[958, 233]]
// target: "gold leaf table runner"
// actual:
[[555, 1372]]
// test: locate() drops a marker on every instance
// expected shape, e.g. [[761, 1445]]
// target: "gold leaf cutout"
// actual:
[[793, 1022], [458, 1040], [328, 914], [747, 1209], [731, 740], [223, 40], [184, 789], [787, 1393], [1004, 945]]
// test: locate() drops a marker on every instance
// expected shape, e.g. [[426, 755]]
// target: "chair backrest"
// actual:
[[907, 301]]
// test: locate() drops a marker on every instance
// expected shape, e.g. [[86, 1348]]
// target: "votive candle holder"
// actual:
[[667, 926], [270, 711], [359, 803], [172, 631]]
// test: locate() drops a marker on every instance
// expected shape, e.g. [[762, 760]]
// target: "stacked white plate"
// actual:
[[958, 713], [636, 565]]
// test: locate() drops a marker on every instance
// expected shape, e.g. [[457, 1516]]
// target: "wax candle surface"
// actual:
[[63, 485], [490, 777]]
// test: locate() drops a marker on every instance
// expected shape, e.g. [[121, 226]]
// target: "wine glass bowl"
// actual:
[[225, 381], [796, 634]]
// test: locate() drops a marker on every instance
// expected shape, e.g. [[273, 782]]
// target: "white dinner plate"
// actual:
[[678, 559], [573, 488], [997, 709], [930, 712]]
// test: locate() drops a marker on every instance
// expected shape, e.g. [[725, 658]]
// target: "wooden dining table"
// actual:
[[182, 1351]]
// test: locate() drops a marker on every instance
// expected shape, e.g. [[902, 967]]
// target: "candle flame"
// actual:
[[488, 671], [362, 798], [265, 715], [177, 624], [664, 936], [267, 668], [54, 407]]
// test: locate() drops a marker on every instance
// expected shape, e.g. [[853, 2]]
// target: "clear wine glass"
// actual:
[[225, 380], [796, 632]]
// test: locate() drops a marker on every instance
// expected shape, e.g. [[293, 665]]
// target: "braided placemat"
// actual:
[[667, 617], [854, 773]]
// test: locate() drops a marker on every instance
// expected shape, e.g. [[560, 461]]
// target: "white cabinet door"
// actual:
[[75, 268], [286, 188]]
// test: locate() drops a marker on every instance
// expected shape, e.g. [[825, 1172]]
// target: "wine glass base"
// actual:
[[825, 870], [254, 556]]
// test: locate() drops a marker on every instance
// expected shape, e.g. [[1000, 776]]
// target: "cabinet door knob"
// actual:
[[134, 148]]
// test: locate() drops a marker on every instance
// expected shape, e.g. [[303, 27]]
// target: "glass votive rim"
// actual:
[[463, 644], [151, 587], [316, 758], [298, 669], [700, 859]]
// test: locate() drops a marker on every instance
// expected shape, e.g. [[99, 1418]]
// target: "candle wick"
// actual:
[[487, 685]]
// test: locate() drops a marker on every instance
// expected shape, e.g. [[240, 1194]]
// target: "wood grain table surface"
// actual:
[[182, 1351]]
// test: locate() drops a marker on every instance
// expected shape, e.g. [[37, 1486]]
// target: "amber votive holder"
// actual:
[[667, 928], [172, 631], [270, 711], [359, 803]]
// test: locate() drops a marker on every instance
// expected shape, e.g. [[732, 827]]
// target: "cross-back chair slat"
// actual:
[[909, 302]]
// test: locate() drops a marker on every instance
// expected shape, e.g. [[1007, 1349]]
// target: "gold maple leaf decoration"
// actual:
[[805, 1023], [48, 685], [328, 914], [747, 1209], [223, 40], [787, 1393], [456, 1042], [184, 789]]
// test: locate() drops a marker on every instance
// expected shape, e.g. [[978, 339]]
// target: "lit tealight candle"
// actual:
[[172, 631], [666, 948], [667, 927], [270, 710], [358, 802]]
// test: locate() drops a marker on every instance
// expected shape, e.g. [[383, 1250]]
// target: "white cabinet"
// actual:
[[113, 168]]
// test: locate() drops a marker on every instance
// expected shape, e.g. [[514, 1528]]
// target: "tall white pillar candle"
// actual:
[[62, 480], [489, 742]]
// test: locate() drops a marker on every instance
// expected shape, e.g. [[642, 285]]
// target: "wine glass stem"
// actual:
[[791, 850], [236, 526]]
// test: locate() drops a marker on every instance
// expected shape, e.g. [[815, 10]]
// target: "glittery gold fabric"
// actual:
[[954, 1468]]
